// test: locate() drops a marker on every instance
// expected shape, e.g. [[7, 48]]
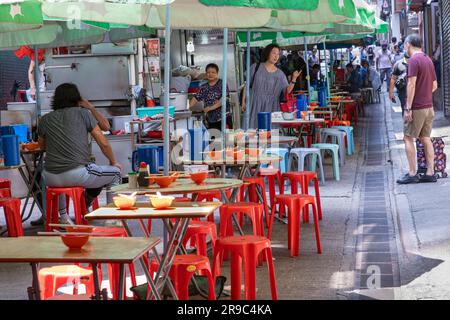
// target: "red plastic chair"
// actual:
[[5, 193], [304, 178], [11, 208], [296, 203], [251, 183], [210, 196], [351, 112], [182, 270], [245, 250], [52, 204]]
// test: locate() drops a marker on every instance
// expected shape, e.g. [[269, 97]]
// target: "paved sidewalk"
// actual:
[[423, 216]]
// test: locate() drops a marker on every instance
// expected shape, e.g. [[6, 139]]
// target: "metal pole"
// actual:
[[247, 84], [332, 65], [307, 67], [166, 92], [326, 67], [224, 92], [36, 81]]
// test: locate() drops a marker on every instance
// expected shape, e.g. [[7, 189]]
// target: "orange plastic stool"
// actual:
[[351, 112], [304, 178], [295, 203], [253, 210], [271, 175], [52, 204], [251, 183], [52, 278], [198, 230], [245, 249], [113, 268], [11, 208], [183, 268]]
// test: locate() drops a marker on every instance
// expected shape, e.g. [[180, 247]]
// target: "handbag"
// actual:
[[287, 101]]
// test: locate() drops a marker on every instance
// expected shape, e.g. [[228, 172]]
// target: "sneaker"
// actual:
[[65, 219], [38, 222], [406, 179], [427, 178]]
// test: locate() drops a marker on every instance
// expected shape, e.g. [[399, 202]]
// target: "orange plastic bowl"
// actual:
[[74, 242], [215, 155], [161, 202], [124, 203], [164, 181], [313, 104], [199, 177]]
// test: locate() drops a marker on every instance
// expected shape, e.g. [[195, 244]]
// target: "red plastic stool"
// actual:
[[251, 183], [210, 196], [351, 112], [114, 268], [183, 268], [11, 208], [296, 203], [52, 278], [253, 210], [271, 175], [304, 178], [341, 123], [52, 204], [245, 249], [198, 230]]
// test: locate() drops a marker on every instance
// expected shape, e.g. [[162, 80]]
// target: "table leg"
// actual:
[[36, 287], [122, 280], [30, 183], [150, 281], [96, 281]]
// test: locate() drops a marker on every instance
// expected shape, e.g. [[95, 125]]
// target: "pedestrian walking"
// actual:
[[399, 82], [384, 64], [419, 111]]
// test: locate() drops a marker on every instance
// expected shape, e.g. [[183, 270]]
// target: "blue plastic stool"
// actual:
[[283, 153], [334, 148], [350, 139]]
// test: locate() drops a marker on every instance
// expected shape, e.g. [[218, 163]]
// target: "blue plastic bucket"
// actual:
[[11, 150], [198, 143], [21, 130], [264, 121]]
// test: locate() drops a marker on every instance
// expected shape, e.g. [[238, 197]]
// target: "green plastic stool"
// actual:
[[334, 148]]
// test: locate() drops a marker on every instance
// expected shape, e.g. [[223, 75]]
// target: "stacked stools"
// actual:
[[245, 250], [337, 136], [334, 148]]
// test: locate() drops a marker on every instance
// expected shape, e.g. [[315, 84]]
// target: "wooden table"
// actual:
[[35, 250], [181, 211]]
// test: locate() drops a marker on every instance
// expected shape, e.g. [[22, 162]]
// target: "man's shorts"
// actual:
[[421, 125]]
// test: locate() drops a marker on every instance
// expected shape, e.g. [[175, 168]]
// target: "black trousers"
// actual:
[[402, 98]]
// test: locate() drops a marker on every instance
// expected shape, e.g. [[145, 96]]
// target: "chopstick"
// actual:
[[69, 233], [70, 225]]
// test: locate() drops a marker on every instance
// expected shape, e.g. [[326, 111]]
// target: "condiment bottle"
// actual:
[[142, 175]]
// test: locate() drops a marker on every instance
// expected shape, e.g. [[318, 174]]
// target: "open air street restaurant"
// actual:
[[129, 172]]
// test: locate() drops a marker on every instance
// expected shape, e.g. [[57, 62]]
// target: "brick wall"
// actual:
[[11, 68]]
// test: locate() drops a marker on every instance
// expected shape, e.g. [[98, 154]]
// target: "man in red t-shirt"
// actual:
[[419, 111]]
